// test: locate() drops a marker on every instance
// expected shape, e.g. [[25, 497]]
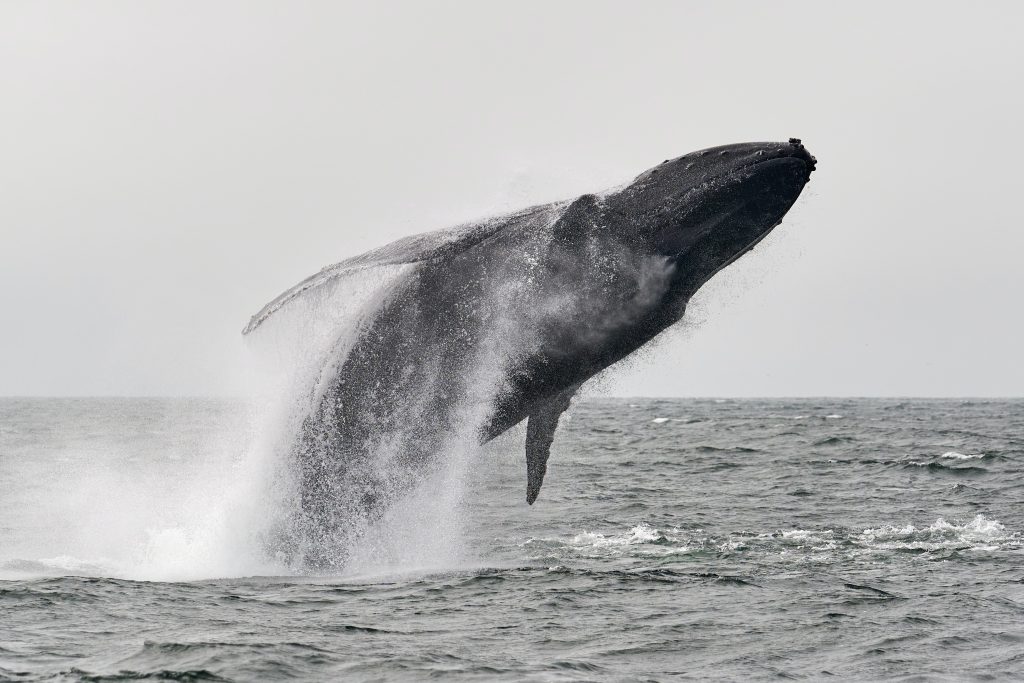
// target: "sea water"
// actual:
[[673, 539]]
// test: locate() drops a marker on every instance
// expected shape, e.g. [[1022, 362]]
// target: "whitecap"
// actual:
[[806, 539], [641, 533], [980, 533], [659, 420], [804, 534], [962, 456]]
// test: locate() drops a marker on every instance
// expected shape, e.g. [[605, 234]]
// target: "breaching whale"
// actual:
[[503, 320]]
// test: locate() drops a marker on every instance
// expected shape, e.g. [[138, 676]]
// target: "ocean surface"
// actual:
[[673, 539]]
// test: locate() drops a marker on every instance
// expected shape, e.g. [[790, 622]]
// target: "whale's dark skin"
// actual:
[[502, 321]]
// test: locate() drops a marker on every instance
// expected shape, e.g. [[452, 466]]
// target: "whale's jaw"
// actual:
[[705, 209]]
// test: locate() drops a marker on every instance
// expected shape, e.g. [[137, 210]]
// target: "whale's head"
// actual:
[[705, 209]]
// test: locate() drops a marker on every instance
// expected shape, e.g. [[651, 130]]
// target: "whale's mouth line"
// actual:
[[763, 162], [742, 173], [735, 176]]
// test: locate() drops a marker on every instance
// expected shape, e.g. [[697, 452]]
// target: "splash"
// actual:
[[407, 385], [224, 520], [387, 507], [148, 489], [175, 490], [390, 498]]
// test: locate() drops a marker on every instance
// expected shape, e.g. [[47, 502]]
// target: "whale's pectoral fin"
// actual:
[[540, 432]]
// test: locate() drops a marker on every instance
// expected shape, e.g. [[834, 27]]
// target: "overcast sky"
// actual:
[[166, 168]]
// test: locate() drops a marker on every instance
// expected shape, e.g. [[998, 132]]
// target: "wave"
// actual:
[[834, 440], [641, 539], [641, 533], [980, 533], [961, 470], [962, 456], [645, 540]]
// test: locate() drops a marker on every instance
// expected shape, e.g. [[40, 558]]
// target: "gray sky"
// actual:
[[169, 167]]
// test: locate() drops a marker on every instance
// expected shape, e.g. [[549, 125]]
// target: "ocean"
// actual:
[[677, 539]]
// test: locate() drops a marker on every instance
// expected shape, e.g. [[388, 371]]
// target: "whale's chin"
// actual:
[[743, 213]]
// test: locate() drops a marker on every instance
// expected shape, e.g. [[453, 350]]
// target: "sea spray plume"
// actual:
[[493, 323]]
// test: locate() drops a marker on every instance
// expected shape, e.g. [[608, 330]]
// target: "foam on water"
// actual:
[[641, 533], [962, 456], [786, 545], [980, 533]]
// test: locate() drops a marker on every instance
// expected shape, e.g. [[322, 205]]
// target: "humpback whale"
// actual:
[[501, 321]]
